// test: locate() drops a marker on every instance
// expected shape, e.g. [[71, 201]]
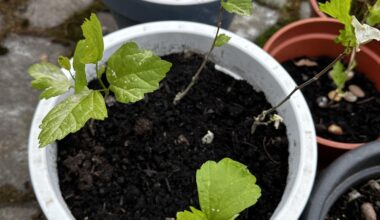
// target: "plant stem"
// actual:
[[195, 78], [72, 76], [100, 80], [261, 117]]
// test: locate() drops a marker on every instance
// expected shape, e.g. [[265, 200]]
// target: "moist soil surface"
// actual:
[[348, 207], [140, 163], [360, 121]]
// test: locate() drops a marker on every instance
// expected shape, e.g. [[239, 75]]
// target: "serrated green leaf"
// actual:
[[225, 189], [132, 72], [49, 79], [340, 9], [194, 214], [364, 33], [79, 67], [240, 7], [71, 114], [93, 44], [64, 62], [373, 17], [339, 76], [221, 40]]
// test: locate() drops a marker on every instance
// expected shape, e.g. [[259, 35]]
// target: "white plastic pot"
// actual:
[[240, 57], [130, 12]]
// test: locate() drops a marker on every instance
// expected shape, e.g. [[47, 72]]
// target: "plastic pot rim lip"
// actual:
[[179, 2], [287, 28], [342, 187], [305, 167], [315, 7]]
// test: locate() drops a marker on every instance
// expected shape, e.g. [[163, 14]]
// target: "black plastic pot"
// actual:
[[130, 12], [352, 168]]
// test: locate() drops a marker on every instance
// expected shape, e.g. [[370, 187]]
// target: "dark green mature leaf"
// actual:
[[49, 79], [79, 67], [132, 72], [93, 43], [194, 214], [339, 76], [240, 7], [225, 189], [373, 17], [221, 40], [71, 114], [64, 62], [340, 9]]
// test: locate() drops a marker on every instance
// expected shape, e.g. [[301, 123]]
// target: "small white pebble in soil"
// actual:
[[335, 129], [357, 91], [333, 95], [350, 97], [368, 211], [353, 195], [208, 138], [322, 101]]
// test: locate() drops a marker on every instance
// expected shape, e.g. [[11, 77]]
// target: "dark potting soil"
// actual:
[[348, 206], [140, 163], [360, 120]]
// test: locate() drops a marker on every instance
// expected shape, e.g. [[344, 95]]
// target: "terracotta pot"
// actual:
[[315, 37], [315, 8]]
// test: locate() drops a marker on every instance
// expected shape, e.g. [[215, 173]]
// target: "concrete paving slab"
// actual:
[[48, 13]]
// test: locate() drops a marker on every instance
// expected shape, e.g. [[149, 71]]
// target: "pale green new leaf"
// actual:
[[71, 114], [64, 62], [221, 40], [340, 9], [49, 79], [194, 214], [93, 43], [132, 72], [373, 17], [240, 7], [339, 76], [225, 189], [79, 67], [364, 33]]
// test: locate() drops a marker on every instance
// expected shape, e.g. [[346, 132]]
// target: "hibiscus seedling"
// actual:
[[352, 36], [239, 7], [225, 189], [131, 72]]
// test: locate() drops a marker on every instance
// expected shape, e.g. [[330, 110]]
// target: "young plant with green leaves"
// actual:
[[239, 7], [225, 189], [352, 36], [131, 72]]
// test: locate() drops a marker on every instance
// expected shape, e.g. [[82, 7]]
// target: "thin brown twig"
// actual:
[[195, 78], [261, 117]]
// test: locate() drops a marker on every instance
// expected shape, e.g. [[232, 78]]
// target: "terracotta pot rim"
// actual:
[[316, 10], [295, 24], [321, 36], [337, 144]]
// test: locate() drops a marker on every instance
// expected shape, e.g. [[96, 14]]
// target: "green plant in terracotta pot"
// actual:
[[338, 103]]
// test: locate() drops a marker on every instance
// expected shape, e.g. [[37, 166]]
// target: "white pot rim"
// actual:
[[54, 206], [179, 2]]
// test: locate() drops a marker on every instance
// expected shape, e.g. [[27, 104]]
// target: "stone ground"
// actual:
[[31, 30]]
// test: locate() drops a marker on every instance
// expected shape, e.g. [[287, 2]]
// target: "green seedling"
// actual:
[[352, 36], [131, 72], [239, 7], [225, 189]]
